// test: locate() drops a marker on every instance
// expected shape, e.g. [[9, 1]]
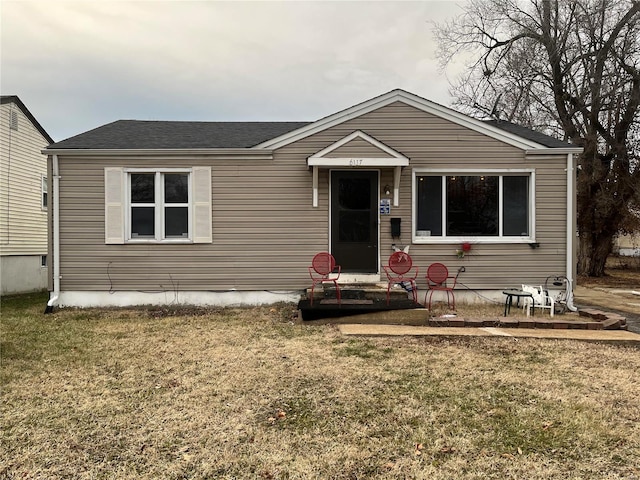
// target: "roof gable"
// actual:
[[337, 155], [14, 99], [515, 137]]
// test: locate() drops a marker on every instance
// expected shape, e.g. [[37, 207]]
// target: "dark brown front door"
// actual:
[[354, 220]]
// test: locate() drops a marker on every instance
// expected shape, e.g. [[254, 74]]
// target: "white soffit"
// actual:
[[411, 100], [394, 159]]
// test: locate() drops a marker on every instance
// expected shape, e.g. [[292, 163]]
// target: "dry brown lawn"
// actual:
[[236, 393], [621, 272]]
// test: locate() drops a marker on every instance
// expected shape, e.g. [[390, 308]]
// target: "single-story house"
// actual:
[[231, 213]]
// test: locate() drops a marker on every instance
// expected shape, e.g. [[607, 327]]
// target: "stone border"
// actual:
[[598, 320]]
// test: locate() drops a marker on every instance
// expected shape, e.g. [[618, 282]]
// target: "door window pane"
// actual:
[[354, 198]]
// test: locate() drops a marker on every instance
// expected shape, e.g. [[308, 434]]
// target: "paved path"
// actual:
[[617, 300], [615, 336], [621, 301]]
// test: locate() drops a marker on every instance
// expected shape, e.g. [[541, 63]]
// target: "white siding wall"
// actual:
[[23, 222]]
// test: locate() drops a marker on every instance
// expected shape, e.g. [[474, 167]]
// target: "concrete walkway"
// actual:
[[624, 302], [614, 336]]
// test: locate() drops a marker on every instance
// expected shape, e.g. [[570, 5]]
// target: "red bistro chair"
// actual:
[[322, 271], [437, 278], [399, 270]]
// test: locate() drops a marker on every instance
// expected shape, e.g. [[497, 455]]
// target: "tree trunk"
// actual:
[[593, 251]]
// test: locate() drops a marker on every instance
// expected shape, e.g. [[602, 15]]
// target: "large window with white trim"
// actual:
[[464, 205], [159, 205]]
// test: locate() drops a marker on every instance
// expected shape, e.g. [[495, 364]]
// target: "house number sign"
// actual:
[[385, 206], [355, 162]]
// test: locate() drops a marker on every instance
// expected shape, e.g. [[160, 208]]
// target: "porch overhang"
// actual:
[[380, 156], [397, 169]]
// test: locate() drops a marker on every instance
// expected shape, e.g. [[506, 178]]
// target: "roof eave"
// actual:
[[238, 153], [555, 150]]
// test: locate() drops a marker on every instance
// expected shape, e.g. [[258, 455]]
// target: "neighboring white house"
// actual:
[[627, 245], [23, 199]]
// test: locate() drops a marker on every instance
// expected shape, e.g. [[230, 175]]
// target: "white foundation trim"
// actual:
[[218, 299]]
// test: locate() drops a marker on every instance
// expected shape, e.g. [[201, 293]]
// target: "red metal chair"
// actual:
[[398, 270], [437, 278], [322, 271]]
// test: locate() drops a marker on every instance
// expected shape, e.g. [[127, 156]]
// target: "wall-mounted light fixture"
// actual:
[[387, 190]]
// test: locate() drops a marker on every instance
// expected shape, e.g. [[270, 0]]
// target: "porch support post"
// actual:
[[396, 186], [315, 185]]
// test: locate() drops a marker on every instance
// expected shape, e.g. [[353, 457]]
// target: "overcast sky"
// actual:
[[78, 65]]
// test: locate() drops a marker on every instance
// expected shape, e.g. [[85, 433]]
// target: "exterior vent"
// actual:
[[13, 121]]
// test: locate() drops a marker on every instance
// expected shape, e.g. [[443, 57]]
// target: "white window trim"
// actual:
[[159, 212], [531, 238]]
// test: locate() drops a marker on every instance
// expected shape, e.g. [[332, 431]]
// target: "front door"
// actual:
[[354, 220]]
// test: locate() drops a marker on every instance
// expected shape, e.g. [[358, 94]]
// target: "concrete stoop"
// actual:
[[361, 303]]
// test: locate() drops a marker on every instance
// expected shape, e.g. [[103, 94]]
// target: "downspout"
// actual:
[[55, 211], [570, 230]]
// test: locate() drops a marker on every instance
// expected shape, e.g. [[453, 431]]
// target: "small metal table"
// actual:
[[518, 294]]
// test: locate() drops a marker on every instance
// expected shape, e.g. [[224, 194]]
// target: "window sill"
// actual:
[[473, 240], [157, 242]]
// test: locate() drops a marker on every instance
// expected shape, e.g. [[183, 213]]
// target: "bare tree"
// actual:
[[570, 68]]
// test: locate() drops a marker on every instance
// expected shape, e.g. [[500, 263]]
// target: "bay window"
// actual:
[[472, 205]]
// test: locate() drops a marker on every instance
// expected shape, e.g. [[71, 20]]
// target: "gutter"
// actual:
[[235, 153], [570, 229], [55, 211]]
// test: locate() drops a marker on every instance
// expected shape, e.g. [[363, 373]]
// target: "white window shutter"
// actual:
[[202, 205], [114, 205]]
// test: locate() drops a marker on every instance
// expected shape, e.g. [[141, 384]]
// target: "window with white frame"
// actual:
[[459, 205], [45, 193], [159, 205]]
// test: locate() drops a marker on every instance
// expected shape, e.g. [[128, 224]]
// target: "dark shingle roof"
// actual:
[[139, 134], [527, 133]]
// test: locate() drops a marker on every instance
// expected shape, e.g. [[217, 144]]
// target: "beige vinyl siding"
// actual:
[[358, 148], [265, 230], [257, 243], [23, 221]]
